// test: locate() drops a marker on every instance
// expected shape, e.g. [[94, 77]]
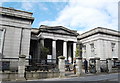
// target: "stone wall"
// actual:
[[41, 75], [102, 46], [17, 25], [13, 76]]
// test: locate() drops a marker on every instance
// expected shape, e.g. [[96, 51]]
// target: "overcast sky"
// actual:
[[80, 15]]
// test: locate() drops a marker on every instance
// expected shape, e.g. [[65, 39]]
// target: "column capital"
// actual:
[[42, 38], [61, 57], [74, 42], [65, 41], [54, 39]]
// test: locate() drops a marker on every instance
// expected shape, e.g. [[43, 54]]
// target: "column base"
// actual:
[[110, 71], [62, 75], [79, 74], [98, 72]]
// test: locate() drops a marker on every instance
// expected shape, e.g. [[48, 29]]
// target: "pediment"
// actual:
[[62, 31], [58, 30]]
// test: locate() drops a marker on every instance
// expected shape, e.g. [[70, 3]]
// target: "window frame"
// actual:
[[92, 47], [113, 49]]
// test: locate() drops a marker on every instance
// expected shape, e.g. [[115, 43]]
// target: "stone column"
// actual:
[[54, 50], [21, 67], [69, 53], [78, 66], [97, 65], [109, 64], [65, 49], [38, 57], [61, 66], [74, 49], [42, 42]]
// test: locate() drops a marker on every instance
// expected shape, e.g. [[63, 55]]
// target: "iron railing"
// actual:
[[42, 65]]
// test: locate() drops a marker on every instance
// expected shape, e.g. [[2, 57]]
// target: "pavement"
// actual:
[[71, 77], [85, 77]]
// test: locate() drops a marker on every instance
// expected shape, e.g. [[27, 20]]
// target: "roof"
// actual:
[[16, 13], [99, 30], [10, 8], [55, 29]]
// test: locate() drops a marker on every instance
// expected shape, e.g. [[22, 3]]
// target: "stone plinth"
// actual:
[[61, 66], [21, 67], [109, 64], [78, 66], [97, 65]]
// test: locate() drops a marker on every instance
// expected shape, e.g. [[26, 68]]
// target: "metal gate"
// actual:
[[92, 66], [42, 65]]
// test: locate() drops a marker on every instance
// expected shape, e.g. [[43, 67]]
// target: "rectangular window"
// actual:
[[113, 49], [84, 51], [92, 49], [84, 48], [1, 39]]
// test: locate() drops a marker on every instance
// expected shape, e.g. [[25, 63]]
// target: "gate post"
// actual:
[[61, 66], [78, 66], [21, 67], [109, 64], [97, 65]]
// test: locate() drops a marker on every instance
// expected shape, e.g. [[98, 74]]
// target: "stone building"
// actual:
[[15, 33], [100, 42], [58, 39], [17, 37]]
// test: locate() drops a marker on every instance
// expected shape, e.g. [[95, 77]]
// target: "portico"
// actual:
[[59, 40]]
